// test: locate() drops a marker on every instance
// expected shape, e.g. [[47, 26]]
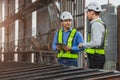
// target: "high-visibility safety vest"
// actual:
[[101, 49], [66, 54]]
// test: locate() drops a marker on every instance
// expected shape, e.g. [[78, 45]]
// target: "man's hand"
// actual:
[[66, 48], [59, 47], [80, 45]]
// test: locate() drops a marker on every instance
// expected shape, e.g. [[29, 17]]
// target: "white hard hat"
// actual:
[[66, 15], [94, 6]]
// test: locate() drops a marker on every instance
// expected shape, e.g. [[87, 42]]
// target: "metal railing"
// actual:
[[26, 50]]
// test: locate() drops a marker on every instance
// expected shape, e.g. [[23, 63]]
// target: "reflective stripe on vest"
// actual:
[[92, 51], [97, 50], [66, 54]]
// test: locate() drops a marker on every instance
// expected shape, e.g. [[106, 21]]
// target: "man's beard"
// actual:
[[68, 27], [89, 19]]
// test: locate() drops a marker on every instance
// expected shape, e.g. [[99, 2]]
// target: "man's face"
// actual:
[[90, 15], [66, 23]]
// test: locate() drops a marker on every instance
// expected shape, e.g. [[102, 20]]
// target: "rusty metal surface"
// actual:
[[30, 71], [118, 37]]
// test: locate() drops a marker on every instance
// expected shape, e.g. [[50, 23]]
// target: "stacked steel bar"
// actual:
[[30, 71]]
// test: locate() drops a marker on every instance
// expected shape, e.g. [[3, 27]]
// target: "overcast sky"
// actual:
[[114, 2]]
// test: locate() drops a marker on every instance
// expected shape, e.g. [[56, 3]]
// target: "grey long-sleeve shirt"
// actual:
[[97, 34]]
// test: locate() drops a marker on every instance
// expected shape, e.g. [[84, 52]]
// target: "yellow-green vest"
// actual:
[[97, 50], [67, 54]]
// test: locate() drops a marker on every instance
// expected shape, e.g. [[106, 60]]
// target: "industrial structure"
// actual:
[[27, 28]]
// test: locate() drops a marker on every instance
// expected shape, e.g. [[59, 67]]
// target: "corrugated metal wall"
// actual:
[[43, 27], [110, 19]]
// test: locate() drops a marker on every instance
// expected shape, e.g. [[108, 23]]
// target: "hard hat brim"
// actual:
[[85, 10]]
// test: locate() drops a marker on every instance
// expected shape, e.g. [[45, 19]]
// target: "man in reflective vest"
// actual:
[[95, 44], [66, 41]]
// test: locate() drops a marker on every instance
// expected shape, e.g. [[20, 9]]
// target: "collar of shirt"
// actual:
[[95, 20]]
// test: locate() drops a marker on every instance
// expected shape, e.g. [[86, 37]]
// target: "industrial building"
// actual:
[[27, 28]]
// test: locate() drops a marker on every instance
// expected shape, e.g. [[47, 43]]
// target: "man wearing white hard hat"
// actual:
[[96, 37], [66, 41]]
